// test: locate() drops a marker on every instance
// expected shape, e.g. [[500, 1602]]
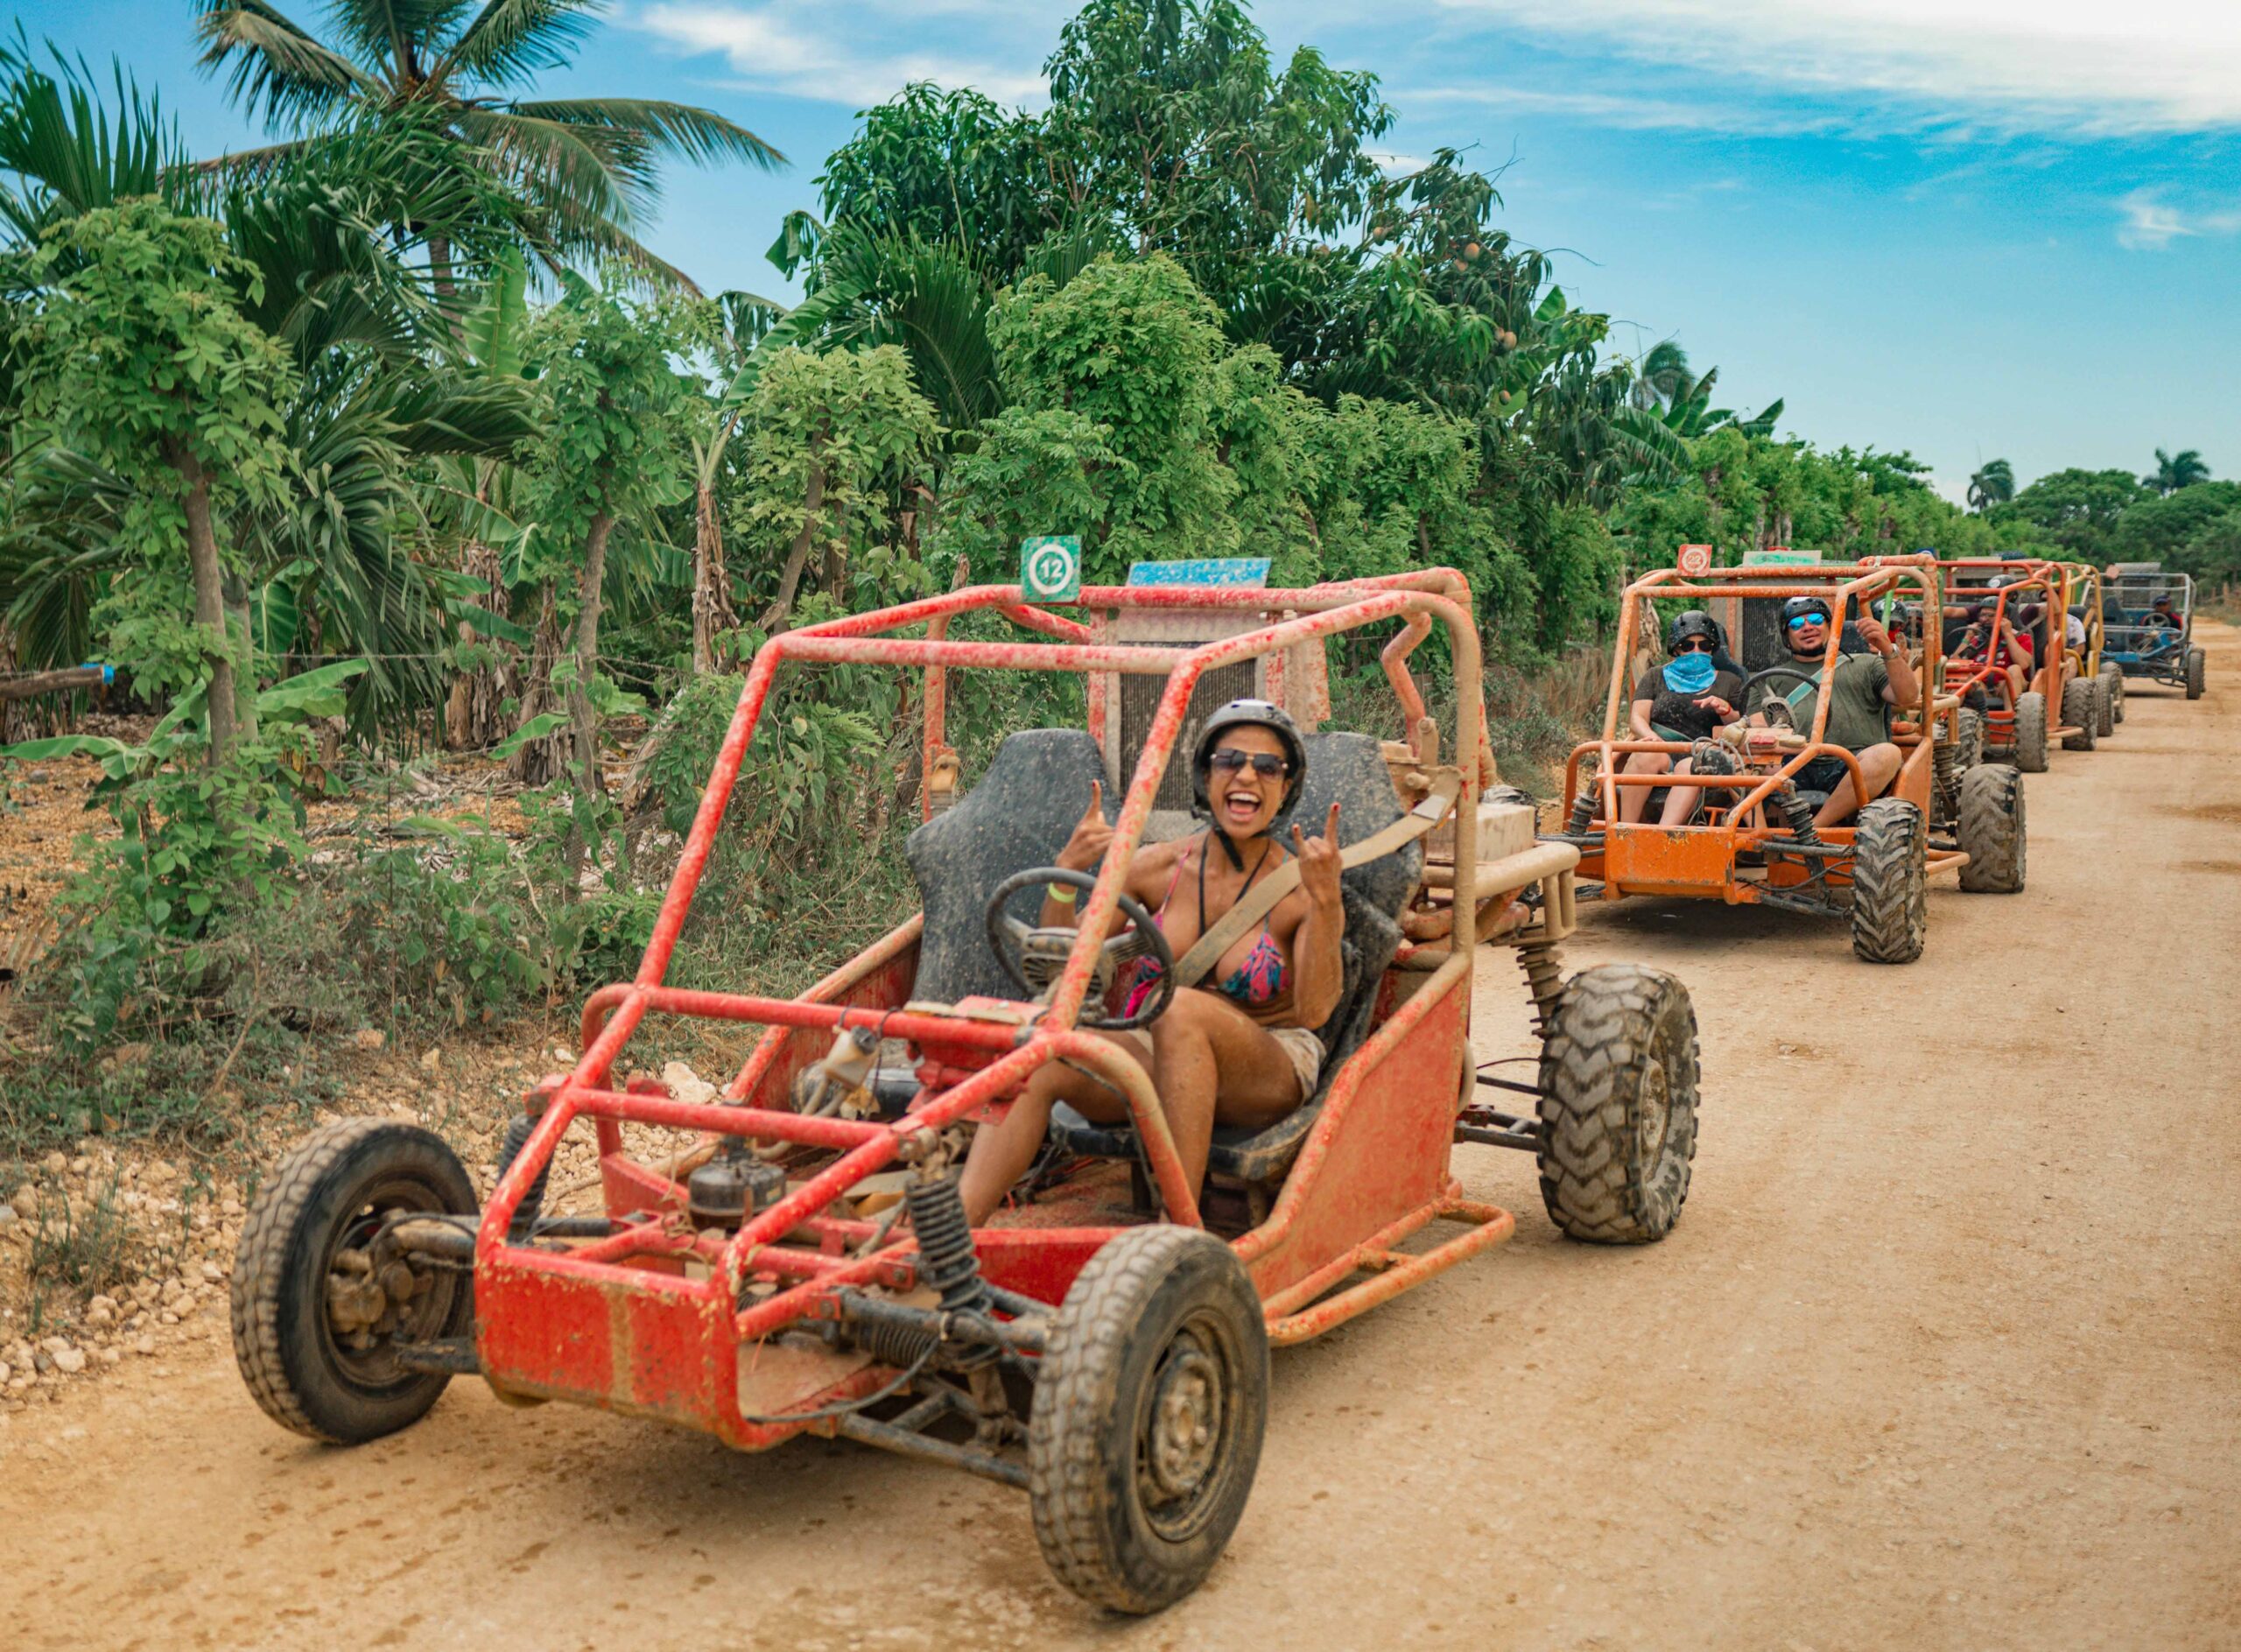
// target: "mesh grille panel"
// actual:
[[1140, 697]]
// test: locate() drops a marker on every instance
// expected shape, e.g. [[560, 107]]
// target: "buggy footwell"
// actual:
[[1391, 1271]]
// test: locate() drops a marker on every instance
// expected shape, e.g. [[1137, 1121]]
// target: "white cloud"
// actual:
[[859, 54], [1614, 109], [2148, 223], [2070, 66]]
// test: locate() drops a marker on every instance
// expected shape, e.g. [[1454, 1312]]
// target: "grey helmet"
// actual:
[[1259, 714]]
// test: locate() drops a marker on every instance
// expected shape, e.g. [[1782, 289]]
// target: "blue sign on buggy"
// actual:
[[1244, 571]]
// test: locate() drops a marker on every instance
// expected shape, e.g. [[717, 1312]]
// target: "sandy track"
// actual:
[[1945, 1353]]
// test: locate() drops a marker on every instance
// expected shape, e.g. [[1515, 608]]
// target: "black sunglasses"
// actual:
[[1267, 765], [1696, 645]]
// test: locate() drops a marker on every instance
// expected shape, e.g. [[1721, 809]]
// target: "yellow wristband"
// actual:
[[1064, 894]]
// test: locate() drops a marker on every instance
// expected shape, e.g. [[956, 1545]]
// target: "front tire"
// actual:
[[2030, 753], [1890, 882], [1992, 831], [2196, 671], [1150, 1410], [327, 1197], [2082, 711], [1618, 1105]]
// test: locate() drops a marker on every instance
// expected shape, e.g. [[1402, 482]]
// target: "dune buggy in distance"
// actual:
[[2061, 699], [2151, 627], [1754, 839], [1102, 1342]]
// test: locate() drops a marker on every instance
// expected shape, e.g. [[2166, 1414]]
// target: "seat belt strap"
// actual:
[[1259, 900]]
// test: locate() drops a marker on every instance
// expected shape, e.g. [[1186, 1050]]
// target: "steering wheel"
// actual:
[[1811, 679], [1026, 951]]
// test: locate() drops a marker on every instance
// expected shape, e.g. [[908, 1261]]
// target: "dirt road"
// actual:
[[1946, 1353]]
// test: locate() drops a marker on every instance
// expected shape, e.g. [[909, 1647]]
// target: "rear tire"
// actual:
[[1890, 882], [1992, 831], [1969, 745], [327, 1196], [2105, 697], [2082, 711], [2030, 752], [1618, 1105], [2112, 677], [1150, 1410], [2195, 674]]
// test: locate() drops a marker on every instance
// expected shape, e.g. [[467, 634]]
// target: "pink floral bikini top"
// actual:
[[1257, 981]]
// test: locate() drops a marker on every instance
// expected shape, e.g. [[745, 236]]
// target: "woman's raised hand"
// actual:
[[1318, 861], [1091, 835]]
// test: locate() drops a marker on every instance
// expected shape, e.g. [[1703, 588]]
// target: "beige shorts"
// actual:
[[1302, 1048], [1305, 1051]]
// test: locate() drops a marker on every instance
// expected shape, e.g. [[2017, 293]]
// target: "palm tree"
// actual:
[[1993, 484], [586, 167], [2174, 471]]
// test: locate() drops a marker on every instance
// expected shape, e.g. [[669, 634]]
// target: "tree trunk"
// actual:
[[536, 761], [836, 557], [789, 580], [440, 276], [471, 707], [712, 587], [583, 719], [221, 699]]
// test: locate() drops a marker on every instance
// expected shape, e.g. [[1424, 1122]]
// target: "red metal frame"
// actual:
[[1646, 858], [661, 1320]]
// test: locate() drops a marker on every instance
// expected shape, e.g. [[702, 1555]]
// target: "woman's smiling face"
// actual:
[[1244, 803]]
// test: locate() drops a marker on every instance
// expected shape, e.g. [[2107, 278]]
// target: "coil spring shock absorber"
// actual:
[[1544, 978], [946, 1259], [1799, 815], [1582, 815]]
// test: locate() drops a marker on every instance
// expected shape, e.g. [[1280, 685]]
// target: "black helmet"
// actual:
[[1259, 714], [1798, 605], [1694, 622]]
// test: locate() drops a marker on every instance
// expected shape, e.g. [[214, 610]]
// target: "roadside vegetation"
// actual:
[[427, 520]]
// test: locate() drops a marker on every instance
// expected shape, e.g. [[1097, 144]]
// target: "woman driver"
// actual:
[[1240, 1050]]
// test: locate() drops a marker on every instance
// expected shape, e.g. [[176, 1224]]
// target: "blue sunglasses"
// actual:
[[1799, 621]]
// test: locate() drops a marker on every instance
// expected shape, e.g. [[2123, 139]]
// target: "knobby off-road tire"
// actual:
[[1890, 882], [2106, 694], [2112, 677], [2082, 711], [532, 1205], [326, 1194], [1148, 1413], [1991, 830], [2196, 666], [1618, 1105], [1969, 742], [2030, 753]]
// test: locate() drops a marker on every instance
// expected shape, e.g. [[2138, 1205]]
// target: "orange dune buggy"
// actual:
[[2016, 724], [1753, 841], [1104, 1342]]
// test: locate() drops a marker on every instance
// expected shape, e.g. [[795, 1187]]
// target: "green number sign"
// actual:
[[1051, 568]]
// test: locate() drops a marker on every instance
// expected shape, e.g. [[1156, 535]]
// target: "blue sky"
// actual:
[[1974, 228]]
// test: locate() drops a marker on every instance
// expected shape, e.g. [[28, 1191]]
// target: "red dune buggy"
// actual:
[[1104, 1342]]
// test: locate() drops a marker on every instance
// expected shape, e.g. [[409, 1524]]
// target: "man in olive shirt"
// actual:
[[1862, 688]]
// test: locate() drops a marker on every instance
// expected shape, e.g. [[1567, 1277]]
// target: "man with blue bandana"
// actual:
[[1862, 690]]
